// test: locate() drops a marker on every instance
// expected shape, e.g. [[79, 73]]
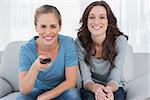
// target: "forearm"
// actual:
[[91, 86], [28, 81], [113, 86], [59, 89]]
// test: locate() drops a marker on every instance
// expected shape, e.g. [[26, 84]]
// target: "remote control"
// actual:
[[45, 61]]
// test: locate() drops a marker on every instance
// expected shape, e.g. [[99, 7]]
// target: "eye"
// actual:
[[43, 26], [53, 26], [102, 17], [91, 17]]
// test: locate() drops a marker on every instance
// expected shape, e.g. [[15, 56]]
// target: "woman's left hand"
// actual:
[[99, 93], [109, 93]]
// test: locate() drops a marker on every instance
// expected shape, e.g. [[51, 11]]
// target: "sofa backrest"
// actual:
[[129, 66], [136, 64], [10, 63], [142, 63]]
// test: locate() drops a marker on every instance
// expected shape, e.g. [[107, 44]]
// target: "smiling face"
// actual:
[[48, 26], [97, 21]]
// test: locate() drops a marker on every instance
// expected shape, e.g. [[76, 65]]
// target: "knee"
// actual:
[[23, 97], [72, 94], [87, 95]]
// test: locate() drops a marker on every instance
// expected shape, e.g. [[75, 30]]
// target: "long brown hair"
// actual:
[[108, 46]]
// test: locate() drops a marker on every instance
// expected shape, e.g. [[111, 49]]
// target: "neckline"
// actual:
[[59, 45]]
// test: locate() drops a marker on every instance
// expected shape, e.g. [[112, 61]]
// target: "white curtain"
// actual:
[[16, 19], [135, 22]]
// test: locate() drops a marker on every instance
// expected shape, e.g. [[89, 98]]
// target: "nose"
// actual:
[[48, 31], [96, 21]]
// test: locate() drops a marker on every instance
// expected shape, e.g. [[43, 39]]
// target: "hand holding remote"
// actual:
[[42, 63]]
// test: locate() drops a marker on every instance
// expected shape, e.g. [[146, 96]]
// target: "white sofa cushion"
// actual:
[[11, 96], [139, 88], [5, 88]]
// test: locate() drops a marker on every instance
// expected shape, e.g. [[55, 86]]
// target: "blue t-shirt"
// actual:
[[55, 73]]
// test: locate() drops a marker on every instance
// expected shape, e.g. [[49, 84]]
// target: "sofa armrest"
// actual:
[[1, 53], [138, 89], [5, 87]]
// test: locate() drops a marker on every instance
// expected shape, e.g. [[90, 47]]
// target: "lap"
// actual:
[[120, 94], [31, 96], [71, 94], [88, 95]]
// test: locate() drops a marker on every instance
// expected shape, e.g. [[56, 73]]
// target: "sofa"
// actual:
[[136, 72]]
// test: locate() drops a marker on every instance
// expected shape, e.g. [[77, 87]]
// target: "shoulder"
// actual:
[[65, 40], [121, 38], [121, 43], [79, 45], [29, 45]]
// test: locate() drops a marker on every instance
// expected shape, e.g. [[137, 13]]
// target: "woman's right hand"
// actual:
[[100, 92], [38, 65]]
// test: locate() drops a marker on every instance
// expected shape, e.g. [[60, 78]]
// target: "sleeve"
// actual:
[[71, 58], [24, 60], [84, 68], [117, 72]]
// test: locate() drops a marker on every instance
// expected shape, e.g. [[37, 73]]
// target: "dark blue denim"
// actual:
[[88, 95]]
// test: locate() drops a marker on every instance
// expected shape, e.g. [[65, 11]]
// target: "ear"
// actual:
[[59, 28]]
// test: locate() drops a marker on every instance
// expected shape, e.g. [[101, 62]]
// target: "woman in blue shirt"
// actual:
[[101, 50], [55, 79]]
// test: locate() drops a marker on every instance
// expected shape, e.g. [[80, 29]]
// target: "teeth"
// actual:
[[48, 37], [97, 27]]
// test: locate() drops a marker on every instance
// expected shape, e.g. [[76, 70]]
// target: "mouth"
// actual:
[[48, 37], [97, 27]]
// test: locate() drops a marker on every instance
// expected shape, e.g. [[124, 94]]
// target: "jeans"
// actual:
[[71, 94], [88, 95]]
